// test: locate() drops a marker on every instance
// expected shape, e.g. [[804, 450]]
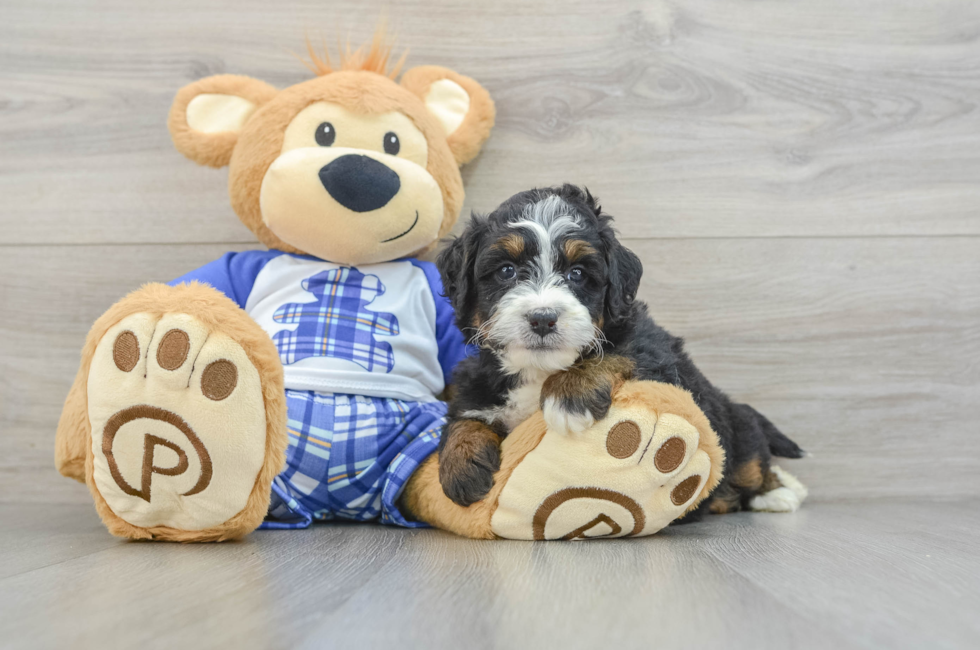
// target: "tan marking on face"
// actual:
[[513, 244], [576, 249]]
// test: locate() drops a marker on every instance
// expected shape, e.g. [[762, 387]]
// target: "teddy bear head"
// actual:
[[350, 166]]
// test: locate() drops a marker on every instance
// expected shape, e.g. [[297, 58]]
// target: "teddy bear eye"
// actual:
[[325, 134], [392, 145]]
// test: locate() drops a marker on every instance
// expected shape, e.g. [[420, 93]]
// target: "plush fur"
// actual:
[[548, 292], [243, 123], [213, 150], [360, 87], [425, 498], [73, 453], [467, 140]]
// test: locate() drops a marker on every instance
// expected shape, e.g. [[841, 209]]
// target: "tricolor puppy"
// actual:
[[546, 290]]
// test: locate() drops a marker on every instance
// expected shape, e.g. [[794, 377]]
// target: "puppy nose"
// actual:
[[359, 183], [543, 321]]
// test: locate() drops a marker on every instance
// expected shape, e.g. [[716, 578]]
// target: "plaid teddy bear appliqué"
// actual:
[[338, 324]]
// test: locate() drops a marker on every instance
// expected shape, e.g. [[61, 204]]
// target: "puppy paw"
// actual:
[[468, 460], [786, 493], [560, 419], [573, 400]]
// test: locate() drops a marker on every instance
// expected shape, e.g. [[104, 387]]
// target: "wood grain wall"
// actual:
[[802, 181]]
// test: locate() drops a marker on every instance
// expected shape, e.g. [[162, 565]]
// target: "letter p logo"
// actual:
[[151, 443]]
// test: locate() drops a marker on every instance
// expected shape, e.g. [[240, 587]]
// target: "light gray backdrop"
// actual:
[[801, 180]]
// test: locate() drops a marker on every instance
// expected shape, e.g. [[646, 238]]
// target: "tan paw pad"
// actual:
[[178, 423], [126, 351], [630, 474]]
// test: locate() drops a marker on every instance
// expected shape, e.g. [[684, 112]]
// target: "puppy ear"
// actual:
[[457, 267], [461, 105], [625, 268], [207, 115], [625, 271]]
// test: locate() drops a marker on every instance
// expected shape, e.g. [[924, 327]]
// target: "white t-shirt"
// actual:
[[383, 330]]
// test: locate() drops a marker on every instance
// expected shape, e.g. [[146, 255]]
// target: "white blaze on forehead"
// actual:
[[547, 220]]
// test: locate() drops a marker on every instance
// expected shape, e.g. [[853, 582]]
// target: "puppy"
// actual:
[[546, 290]]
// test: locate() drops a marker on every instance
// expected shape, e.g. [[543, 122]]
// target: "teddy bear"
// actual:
[[298, 384]]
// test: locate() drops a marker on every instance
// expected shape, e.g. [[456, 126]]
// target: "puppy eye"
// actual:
[[325, 134], [392, 144], [506, 272], [575, 276]]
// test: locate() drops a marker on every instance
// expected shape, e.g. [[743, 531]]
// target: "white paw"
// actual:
[[782, 499], [565, 422], [178, 422], [791, 482], [786, 498]]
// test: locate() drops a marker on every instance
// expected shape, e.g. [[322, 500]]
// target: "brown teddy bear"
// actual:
[[300, 384]]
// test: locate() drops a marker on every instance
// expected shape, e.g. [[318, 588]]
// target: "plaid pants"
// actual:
[[350, 456]]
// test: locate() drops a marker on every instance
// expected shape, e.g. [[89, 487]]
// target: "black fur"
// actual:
[[480, 382]]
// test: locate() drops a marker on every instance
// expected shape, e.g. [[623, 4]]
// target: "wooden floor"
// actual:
[[802, 182], [844, 575]]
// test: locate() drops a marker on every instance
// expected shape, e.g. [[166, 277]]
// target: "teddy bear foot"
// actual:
[[178, 424], [176, 420], [630, 474], [653, 458]]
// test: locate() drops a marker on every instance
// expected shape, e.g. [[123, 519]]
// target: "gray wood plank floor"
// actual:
[[802, 182], [846, 575]]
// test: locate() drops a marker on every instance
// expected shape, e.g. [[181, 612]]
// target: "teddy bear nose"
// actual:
[[359, 183]]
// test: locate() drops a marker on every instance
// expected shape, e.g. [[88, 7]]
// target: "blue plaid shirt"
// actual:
[[365, 352], [383, 330]]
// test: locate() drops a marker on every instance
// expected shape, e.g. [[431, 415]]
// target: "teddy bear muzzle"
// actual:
[[351, 206]]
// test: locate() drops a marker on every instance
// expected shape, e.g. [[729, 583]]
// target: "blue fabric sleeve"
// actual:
[[233, 274], [452, 345]]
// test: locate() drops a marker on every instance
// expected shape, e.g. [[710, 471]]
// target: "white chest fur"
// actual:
[[522, 401]]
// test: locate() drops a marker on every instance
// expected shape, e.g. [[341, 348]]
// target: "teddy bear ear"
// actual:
[[207, 115], [460, 104]]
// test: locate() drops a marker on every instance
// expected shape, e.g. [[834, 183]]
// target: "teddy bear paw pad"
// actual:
[[178, 422], [630, 474]]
